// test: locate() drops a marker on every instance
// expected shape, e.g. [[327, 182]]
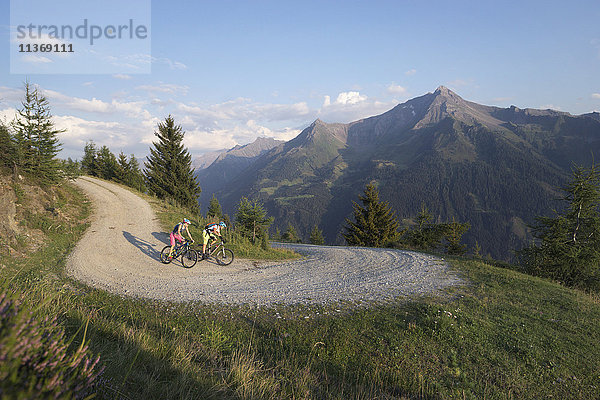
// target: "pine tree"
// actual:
[[477, 250], [106, 164], [36, 138], [277, 235], [316, 236], [168, 171], [568, 245], [24, 131], [71, 169], [374, 223], [122, 172], [46, 141], [290, 235], [251, 220], [88, 162], [425, 235], [135, 179], [454, 232], [6, 147], [214, 209]]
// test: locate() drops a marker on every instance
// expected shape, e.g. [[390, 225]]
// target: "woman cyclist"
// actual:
[[176, 234]]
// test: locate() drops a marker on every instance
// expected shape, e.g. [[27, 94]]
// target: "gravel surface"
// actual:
[[120, 253]]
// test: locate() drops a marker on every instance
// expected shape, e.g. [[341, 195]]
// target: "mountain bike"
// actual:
[[220, 253], [189, 256]]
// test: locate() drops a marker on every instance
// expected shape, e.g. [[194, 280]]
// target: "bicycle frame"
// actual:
[[220, 245], [181, 248]]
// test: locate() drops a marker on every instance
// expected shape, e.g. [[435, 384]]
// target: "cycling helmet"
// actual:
[[187, 221], [223, 224]]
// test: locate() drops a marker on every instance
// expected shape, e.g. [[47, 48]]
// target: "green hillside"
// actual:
[[502, 335]]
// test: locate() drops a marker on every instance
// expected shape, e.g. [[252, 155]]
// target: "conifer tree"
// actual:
[[425, 235], [374, 223], [123, 173], [168, 171], [568, 244], [316, 236], [290, 235], [24, 131], [277, 234], [251, 219], [214, 208], [454, 232], [88, 162], [71, 169], [6, 147], [106, 164], [36, 138], [135, 179]]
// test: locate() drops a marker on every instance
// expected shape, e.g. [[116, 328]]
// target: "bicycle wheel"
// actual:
[[164, 255], [224, 257], [189, 258]]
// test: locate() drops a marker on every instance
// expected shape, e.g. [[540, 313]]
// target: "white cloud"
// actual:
[[11, 95], [215, 139], [122, 76], [410, 72], [123, 124], [242, 109], [7, 115], [131, 138], [596, 95], [350, 98], [130, 109], [396, 89], [350, 106]]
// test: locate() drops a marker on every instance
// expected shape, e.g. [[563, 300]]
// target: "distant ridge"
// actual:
[[496, 168], [229, 163]]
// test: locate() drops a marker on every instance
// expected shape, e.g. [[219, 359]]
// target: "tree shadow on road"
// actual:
[[146, 247]]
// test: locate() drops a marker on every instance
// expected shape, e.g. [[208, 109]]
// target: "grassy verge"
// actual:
[[505, 335]]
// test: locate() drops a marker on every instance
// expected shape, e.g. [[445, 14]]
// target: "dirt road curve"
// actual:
[[119, 253]]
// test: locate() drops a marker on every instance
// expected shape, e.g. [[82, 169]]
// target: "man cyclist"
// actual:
[[176, 234], [209, 234]]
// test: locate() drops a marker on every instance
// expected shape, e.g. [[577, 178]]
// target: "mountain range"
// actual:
[[214, 170], [496, 168]]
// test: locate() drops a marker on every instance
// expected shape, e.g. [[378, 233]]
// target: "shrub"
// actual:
[[35, 359]]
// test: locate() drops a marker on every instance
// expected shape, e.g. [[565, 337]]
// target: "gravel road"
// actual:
[[120, 250]]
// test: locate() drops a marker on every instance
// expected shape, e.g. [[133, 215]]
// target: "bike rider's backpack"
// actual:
[[209, 225]]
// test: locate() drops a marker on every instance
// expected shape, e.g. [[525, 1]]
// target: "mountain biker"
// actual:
[[210, 233], [176, 234]]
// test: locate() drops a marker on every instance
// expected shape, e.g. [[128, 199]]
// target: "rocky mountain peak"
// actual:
[[442, 93]]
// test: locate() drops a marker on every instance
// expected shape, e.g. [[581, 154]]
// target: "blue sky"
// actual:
[[230, 71]]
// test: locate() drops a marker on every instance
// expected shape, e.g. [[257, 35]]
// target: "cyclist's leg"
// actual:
[[205, 240], [172, 238], [213, 239]]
